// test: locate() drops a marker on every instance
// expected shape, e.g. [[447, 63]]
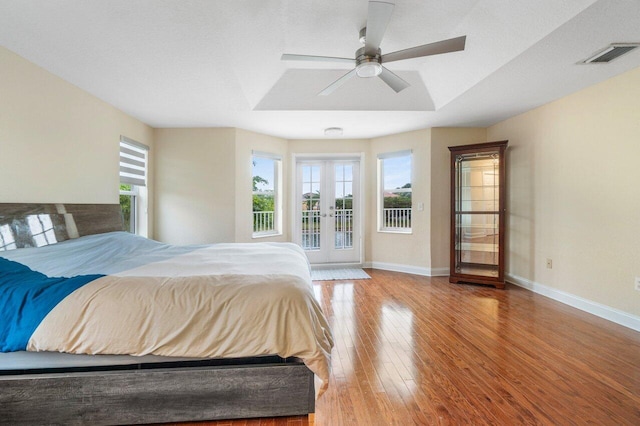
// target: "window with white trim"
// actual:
[[266, 212], [133, 182], [394, 195]]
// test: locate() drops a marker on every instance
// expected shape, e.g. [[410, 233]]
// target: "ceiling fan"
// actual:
[[369, 59]]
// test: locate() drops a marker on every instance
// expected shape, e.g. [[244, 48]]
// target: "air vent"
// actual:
[[610, 53]]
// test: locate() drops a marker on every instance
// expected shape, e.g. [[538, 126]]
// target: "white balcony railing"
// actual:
[[311, 226], [263, 222], [397, 218], [344, 229], [311, 229]]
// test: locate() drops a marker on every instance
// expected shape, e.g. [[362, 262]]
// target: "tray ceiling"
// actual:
[[173, 63]]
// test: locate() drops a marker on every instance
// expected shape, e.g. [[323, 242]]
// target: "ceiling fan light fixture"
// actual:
[[368, 69], [369, 58]]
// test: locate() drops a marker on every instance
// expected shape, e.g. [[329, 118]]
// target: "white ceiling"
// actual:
[[215, 63]]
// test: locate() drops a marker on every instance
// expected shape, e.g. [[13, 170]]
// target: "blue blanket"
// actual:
[[26, 297]]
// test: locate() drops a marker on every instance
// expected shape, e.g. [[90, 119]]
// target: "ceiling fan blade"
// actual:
[[339, 82], [392, 80], [444, 46], [290, 57], [377, 20]]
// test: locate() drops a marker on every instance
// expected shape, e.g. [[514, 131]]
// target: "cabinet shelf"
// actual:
[[478, 196]]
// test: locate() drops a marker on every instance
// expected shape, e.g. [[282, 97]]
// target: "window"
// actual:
[[133, 182], [394, 197], [266, 194], [128, 201]]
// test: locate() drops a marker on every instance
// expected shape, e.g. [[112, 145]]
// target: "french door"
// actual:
[[328, 210]]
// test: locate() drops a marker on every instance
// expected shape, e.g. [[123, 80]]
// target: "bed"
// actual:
[[139, 332]]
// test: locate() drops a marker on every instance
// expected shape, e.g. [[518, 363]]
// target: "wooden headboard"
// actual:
[[35, 225]]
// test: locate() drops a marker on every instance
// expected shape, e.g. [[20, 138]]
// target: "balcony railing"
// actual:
[[311, 229], [311, 225], [344, 229], [397, 218], [263, 222]]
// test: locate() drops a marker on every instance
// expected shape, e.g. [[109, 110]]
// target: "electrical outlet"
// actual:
[[638, 283], [549, 264]]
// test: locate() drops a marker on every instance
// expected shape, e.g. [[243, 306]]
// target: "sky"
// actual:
[[264, 168], [397, 171]]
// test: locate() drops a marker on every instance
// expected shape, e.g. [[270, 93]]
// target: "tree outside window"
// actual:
[[128, 206], [265, 195], [395, 192]]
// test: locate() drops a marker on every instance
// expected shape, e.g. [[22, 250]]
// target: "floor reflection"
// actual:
[[374, 338], [343, 327], [395, 348]]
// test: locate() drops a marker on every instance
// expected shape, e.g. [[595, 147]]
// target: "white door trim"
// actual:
[[356, 156]]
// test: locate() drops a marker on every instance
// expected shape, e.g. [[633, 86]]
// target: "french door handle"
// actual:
[[324, 215], [330, 215]]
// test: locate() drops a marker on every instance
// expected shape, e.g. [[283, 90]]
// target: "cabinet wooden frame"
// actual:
[[456, 272]]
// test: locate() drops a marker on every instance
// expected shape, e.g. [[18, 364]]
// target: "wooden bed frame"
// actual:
[[153, 394], [143, 393]]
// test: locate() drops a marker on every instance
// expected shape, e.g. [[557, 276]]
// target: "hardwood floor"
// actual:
[[418, 350]]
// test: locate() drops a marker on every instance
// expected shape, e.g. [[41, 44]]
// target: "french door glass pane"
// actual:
[[343, 207], [311, 207]]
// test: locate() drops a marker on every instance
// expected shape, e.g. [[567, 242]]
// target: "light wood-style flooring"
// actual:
[[418, 350]]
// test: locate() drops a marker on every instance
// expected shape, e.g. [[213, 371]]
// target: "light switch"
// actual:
[[420, 207]]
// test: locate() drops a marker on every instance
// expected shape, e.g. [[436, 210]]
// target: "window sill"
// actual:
[[395, 231], [266, 235]]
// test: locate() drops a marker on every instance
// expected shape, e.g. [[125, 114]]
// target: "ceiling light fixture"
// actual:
[[368, 65], [368, 69], [333, 131]]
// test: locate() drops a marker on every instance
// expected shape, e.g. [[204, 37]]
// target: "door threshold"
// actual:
[[336, 265]]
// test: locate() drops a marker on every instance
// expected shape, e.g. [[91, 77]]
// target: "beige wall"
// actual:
[[440, 180], [574, 194], [203, 183], [246, 143], [58, 143], [572, 178], [395, 248], [195, 185]]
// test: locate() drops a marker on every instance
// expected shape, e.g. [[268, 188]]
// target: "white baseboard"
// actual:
[[439, 272], [407, 269], [594, 308]]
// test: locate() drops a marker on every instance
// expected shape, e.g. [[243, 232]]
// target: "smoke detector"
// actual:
[[333, 131]]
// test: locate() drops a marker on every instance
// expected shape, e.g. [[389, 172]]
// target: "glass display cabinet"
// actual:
[[478, 192]]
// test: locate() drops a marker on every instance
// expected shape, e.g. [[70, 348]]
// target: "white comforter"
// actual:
[[223, 300]]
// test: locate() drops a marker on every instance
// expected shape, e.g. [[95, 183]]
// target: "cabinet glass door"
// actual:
[[477, 214]]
